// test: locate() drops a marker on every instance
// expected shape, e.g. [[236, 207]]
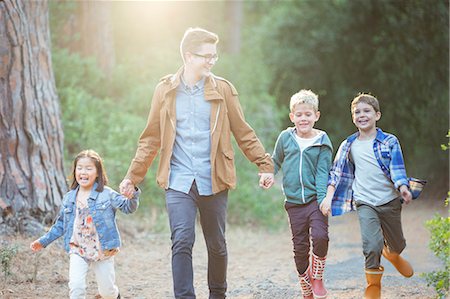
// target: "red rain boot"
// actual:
[[316, 275]]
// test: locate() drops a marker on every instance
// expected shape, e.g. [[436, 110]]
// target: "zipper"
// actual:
[[300, 167], [301, 164], [300, 173]]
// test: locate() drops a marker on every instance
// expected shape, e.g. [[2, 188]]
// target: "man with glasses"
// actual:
[[192, 116]]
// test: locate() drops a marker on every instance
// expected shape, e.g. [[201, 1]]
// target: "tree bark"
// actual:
[[91, 27], [236, 19], [32, 180]]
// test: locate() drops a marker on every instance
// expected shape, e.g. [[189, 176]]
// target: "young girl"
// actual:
[[87, 222]]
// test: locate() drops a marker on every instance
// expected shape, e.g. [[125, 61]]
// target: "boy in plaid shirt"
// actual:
[[369, 173]]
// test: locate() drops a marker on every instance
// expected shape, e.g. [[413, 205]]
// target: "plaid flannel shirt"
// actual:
[[389, 156]]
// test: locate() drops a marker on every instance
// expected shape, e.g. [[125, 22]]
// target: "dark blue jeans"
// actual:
[[182, 209]]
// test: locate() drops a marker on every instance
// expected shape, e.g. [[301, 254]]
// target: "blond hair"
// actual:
[[193, 39], [366, 99], [305, 97]]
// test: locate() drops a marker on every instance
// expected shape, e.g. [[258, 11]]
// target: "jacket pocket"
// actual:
[[385, 158], [225, 167], [68, 212]]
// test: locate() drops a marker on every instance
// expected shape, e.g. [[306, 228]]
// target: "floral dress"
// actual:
[[85, 240]]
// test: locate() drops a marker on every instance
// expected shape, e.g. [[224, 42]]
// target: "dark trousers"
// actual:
[[379, 226], [307, 221], [182, 209]]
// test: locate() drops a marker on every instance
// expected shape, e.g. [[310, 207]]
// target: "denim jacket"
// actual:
[[389, 155], [102, 207]]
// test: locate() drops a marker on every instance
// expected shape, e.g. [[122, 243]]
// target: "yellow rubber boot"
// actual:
[[373, 277], [402, 265]]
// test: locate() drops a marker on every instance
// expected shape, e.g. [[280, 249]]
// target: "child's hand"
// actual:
[[325, 206], [266, 180], [406, 194], [36, 246]]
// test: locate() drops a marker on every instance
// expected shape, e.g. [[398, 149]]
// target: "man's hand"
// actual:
[[127, 188], [266, 180], [406, 194]]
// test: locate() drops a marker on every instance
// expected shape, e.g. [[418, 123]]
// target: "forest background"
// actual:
[[395, 50]]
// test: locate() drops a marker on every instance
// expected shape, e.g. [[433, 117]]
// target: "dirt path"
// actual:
[[260, 264]]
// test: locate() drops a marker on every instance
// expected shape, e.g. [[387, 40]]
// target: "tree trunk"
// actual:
[[32, 180], [91, 27], [96, 33], [236, 19]]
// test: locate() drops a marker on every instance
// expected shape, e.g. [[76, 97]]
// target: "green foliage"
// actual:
[[439, 227], [7, 253], [108, 114], [439, 243], [445, 147], [96, 115], [249, 204], [396, 50], [337, 48]]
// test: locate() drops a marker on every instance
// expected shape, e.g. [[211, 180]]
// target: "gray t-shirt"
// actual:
[[370, 185]]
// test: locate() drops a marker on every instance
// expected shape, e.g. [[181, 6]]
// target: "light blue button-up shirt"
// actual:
[[191, 150]]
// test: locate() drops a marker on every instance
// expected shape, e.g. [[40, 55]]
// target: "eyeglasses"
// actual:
[[208, 57]]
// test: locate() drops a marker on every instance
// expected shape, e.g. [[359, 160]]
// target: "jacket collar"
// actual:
[[93, 195], [380, 137], [323, 140], [210, 85]]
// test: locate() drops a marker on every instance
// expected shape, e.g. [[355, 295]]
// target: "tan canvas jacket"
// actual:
[[226, 118]]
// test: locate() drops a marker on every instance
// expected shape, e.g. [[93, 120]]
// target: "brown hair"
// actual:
[[193, 38], [101, 179], [366, 99]]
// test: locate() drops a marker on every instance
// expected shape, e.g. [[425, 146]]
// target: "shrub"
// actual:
[[439, 227], [7, 253]]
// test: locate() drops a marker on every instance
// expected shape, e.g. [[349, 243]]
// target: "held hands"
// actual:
[[35, 246], [325, 206], [406, 194], [266, 180], [126, 188]]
